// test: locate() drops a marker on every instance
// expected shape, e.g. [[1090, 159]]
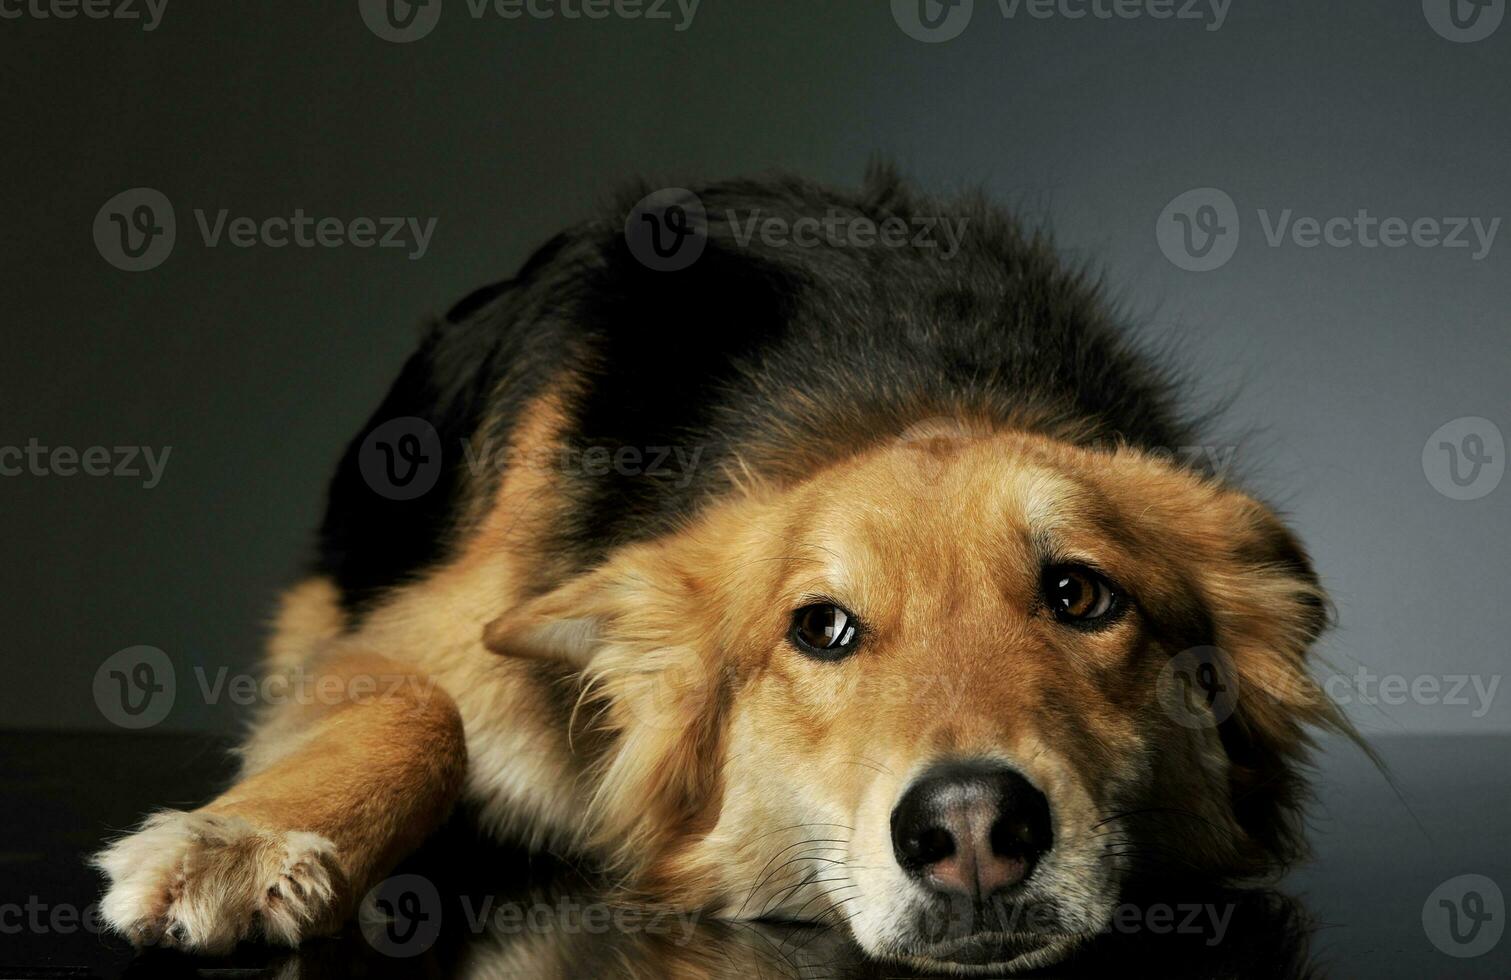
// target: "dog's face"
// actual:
[[939, 692]]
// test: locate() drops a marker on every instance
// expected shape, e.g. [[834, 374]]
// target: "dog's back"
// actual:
[[765, 356]]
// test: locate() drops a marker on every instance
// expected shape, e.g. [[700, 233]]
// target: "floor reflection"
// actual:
[[1266, 938], [463, 910]]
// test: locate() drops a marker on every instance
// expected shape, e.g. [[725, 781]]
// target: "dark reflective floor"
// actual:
[[1386, 896]]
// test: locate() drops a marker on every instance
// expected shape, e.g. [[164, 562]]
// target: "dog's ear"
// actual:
[[1246, 587], [640, 597], [1267, 604], [652, 680], [568, 623], [651, 600], [1267, 609]]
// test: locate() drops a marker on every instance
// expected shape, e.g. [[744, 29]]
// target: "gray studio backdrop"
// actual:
[[1196, 151]]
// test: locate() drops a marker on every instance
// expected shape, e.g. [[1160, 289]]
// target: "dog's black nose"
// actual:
[[971, 828]]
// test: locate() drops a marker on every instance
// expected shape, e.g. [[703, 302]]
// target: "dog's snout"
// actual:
[[971, 828]]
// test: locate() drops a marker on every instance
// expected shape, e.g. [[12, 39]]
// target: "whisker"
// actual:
[[763, 876]]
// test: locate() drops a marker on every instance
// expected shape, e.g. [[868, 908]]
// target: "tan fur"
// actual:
[[650, 712], [333, 792], [308, 616]]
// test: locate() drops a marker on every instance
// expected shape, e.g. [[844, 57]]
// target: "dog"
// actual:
[[828, 577]]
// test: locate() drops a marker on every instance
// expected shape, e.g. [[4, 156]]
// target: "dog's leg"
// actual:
[[339, 783]]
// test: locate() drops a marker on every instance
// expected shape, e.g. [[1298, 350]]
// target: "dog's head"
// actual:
[[957, 692]]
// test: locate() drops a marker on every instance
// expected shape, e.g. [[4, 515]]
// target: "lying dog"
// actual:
[[828, 580]]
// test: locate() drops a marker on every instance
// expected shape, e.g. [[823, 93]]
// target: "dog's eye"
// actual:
[[825, 631], [1076, 594]]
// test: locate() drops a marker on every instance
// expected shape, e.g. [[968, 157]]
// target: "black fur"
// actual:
[[754, 349]]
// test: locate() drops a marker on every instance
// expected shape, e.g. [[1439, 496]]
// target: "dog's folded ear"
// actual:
[[1268, 608], [571, 640], [1259, 602], [565, 624], [630, 628], [632, 595]]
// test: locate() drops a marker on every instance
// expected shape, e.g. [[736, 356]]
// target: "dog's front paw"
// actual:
[[204, 881]]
